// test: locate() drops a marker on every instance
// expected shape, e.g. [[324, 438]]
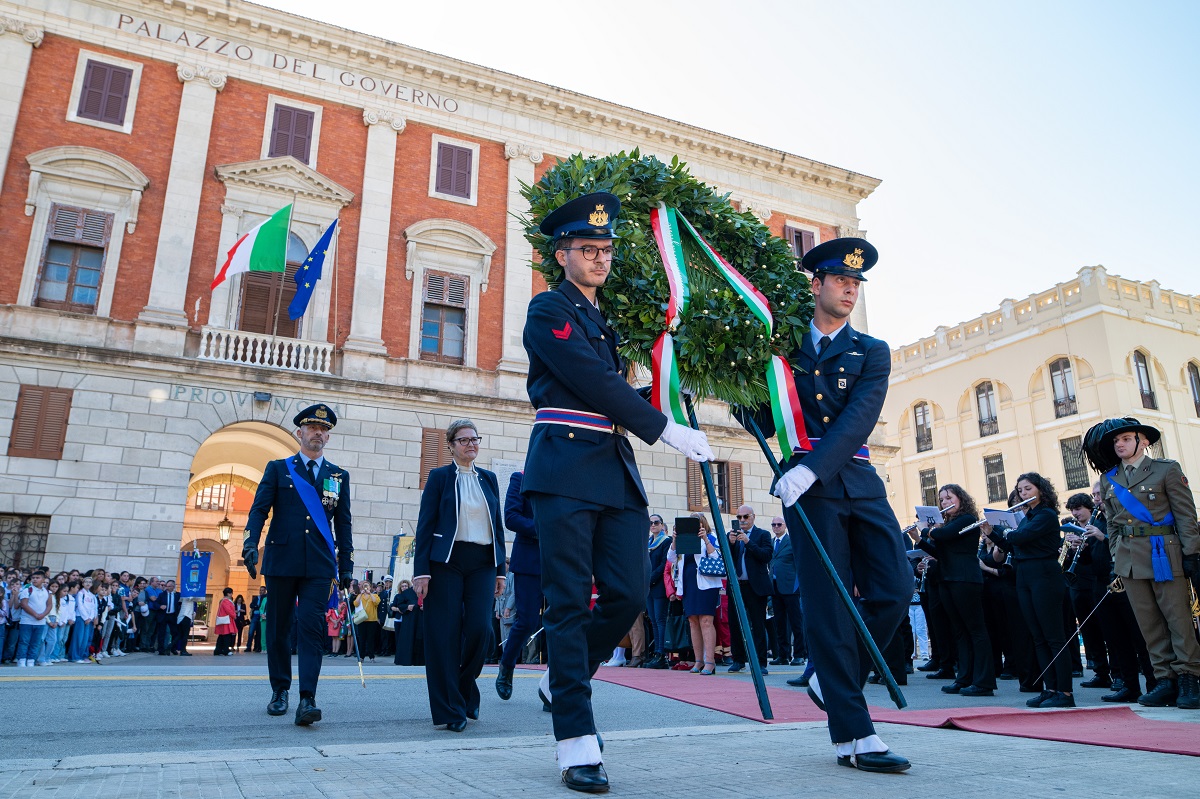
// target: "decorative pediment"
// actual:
[[88, 166], [448, 243], [286, 175]]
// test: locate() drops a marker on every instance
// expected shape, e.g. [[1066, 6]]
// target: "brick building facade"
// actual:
[[139, 140]]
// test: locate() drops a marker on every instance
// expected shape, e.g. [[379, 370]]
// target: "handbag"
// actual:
[[389, 623], [676, 633], [360, 615], [222, 620], [711, 567]]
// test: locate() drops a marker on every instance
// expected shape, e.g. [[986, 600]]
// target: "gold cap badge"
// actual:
[[599, 217], [321, 414], [854, 260]]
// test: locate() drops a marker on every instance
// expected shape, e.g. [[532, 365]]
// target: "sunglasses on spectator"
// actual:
[[777, 524], [747, 516]]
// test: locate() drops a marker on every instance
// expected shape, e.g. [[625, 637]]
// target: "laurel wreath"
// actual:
[[723, 351]]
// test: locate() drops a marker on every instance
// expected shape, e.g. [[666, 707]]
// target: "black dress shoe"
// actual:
[[307, 712], [736, 667], [928, 665], [1124, 695], [1077, 673], [908, 668], [797, 662], [278, 704], [874, 679], [879, 762], [941, 674], [504, 682], [799, 682], [816, 700], [457, 726], [764, 671], [975, 690], [952, 688], [1004, 675], [473, 713], [778, 662], [589, 779], [1099, 681], [545, 701]]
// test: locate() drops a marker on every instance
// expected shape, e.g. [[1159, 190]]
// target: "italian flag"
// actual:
[[262, 249]]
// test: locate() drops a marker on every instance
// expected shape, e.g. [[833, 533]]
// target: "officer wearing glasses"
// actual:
[[589, 505]]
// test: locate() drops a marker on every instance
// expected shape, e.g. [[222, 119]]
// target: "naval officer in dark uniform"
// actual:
[[589, 506], [841, 376], [309, 501]]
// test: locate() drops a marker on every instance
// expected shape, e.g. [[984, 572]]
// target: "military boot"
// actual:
[[1163, 695], [1189, 692]]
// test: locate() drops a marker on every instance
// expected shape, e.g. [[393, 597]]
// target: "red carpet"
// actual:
[[1116, 726]]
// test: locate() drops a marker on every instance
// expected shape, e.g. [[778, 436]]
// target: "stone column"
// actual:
[[17, 41], [162, 324], [365, 354], [518, 276]]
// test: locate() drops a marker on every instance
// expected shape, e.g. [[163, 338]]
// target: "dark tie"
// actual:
[[1129, 474], [170, 603], [777, 540], [312, 475], [825, 342]]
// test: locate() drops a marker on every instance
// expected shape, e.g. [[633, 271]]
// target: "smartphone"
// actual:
[[687, 536]]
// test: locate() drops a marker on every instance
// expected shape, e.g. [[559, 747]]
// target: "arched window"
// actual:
[[1145, 387], [985, 401], [924, 424], [266, 296], [1194, 382], [1063, 383]]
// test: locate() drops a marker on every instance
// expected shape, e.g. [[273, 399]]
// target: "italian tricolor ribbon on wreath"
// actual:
[[665, 388]]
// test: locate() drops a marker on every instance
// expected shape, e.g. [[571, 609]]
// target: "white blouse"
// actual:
[[474, 515]]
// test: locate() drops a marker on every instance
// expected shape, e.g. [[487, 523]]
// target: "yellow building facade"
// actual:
[[1014, 390]]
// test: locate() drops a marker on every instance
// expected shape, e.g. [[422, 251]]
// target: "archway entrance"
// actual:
[[224, 476]]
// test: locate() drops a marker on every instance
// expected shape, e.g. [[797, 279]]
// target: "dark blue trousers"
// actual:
[[657, 606], [302, 600], [581, 541], [527, 589], [862, 538]]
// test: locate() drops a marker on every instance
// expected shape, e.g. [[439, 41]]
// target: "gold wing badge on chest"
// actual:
[[331, 489]]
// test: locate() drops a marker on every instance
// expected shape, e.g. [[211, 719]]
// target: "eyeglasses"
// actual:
[[590, 251], [466, 442], [656, 521], [777, 524], [747, 516]]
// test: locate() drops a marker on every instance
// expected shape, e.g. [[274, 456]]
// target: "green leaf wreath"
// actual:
[[723, 350]]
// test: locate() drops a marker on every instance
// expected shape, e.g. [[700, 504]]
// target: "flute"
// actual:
[[984, 520]]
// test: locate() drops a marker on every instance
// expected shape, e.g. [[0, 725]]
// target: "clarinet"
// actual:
[[1069, 574]]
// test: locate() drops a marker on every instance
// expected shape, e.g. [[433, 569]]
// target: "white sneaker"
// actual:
[[21, 663]]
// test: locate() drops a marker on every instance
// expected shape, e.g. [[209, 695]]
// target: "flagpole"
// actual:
[[337, 234], [283, 277]]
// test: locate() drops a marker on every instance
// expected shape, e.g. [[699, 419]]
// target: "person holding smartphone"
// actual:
[[700, 593]]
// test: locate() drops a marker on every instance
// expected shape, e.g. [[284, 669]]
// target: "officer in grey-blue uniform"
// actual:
[[589, 506], [299, 565], [841, 376]]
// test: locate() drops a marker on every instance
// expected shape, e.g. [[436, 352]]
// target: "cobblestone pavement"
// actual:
[[196, 729]]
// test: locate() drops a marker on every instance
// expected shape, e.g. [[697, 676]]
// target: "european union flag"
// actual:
[[309, 273]]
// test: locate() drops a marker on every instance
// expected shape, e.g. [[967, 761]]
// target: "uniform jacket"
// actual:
[[1161, 486], [957, 554], [518, 517], [438, 519], [295, 546], [841, 396], [573, 363], [783, 566], [758, 554]]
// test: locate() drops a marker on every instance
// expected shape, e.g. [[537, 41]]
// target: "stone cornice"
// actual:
[[285, 174], [489, 87], [30, 33]]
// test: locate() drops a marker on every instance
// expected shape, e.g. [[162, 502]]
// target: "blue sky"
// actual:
[[1016, 141]]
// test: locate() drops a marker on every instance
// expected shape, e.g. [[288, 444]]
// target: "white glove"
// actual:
[[692, 443], [793, 484]]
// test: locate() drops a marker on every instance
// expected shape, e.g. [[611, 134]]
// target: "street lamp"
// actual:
[[225, 527]]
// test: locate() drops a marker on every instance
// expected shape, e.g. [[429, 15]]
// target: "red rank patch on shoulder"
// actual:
[[563, 334]]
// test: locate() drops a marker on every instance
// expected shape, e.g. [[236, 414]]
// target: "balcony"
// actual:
[[988, 427], [1148, 400], [260, 349], [1065, 406]]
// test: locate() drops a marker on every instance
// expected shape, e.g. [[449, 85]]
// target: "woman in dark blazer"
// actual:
[[1035, 546], [459, 564], [962, 592]]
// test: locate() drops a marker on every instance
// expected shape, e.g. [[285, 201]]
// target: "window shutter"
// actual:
[[116, 95], [281, 132], [462, 172], [302, 128], [443, 289], [695, 488], [80, 226], [435, 287], [807, 241], [258, 312], [735, 485], [91, 98], [39, 427], [445, 169], [434, 452], [453, 170], [801, 240]]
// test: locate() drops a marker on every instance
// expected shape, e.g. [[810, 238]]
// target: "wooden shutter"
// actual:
[[39, 426], [734, 470], [79, 225], [444, 289], [434, 452], [260, 298], [105, 93], [801, 240], [695, 488], [291, 133], [453, 170]]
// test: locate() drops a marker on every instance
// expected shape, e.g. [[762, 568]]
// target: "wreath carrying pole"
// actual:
[[864, 635], [735, 590]]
